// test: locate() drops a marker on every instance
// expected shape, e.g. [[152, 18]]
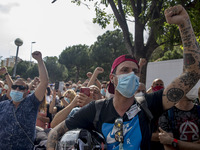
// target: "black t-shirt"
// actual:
[[135, 122], [184, 125]]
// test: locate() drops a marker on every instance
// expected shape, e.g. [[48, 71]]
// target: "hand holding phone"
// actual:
[[56, 85], [85, 90]]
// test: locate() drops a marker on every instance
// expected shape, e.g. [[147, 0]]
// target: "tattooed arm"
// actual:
[[55, 134], [191, 57]]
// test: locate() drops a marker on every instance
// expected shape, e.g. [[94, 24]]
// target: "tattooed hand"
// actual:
[[176, 15]]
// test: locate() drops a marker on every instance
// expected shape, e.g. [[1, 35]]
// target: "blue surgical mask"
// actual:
[[0, 90], [16, 96], [103, 92], [67, 99], [127, 84]]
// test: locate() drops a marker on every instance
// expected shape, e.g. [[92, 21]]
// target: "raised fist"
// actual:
[[3, 70], [37, 55], [142, 62], [89, 74], [176, 15], [99, 70]]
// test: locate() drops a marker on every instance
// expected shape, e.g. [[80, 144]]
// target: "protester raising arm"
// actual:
[[52, 108], [94, 76], [9, 80], [43, 76], [142, 62], [191, 72]]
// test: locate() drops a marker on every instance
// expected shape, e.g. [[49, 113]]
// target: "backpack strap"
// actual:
[[143, 104], [98, 107], [171, 117]]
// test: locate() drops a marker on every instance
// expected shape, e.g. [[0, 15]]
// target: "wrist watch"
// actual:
[[175, 143]]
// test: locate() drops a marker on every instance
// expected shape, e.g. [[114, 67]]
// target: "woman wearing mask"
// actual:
[[58, 104], [68, 96]]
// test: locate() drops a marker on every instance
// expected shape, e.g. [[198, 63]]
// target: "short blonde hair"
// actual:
[[71, 93]]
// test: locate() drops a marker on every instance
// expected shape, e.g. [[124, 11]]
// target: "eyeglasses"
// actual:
[[119, 134], [21, 87]]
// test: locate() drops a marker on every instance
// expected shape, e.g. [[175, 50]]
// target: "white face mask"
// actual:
[[192, 94], [139, 94]]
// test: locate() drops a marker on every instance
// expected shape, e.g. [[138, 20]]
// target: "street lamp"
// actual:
[[19, 43], [31, 50]]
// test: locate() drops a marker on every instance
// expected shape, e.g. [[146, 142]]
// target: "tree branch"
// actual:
[[134, 9], [121, 10], [123, 24]]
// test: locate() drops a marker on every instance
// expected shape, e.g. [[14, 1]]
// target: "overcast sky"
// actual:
[[52, 26]]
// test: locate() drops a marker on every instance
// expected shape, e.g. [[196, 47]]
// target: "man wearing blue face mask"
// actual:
[[122, 123], [18, 115]]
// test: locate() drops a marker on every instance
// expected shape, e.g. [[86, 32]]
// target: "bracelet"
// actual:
[[6, 74], [61, 97], [175, 143]]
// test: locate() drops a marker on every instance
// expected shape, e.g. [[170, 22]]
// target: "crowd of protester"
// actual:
[[32, 109]]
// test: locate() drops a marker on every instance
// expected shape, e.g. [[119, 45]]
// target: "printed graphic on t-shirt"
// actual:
[[185, 125], [189, 131], [131, 131]]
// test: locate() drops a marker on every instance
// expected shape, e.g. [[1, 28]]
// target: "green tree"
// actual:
[[32, 72], [22, 68], [176, 53], [107, 47], [164, 53], [76, 59], [147, 15], [56, 71]]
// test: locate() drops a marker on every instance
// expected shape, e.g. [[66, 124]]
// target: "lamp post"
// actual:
[[19, 43], [31, 50]]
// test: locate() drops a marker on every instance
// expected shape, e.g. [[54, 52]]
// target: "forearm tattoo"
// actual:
[[175, 94], [55, 134], [191, 59], [189, 79], [188, 60]]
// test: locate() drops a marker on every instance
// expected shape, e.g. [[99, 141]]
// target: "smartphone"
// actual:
[[61, 85], [85, 90], [56, 85]]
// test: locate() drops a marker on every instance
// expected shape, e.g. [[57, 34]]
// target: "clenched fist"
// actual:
[[37, 55], [176, 15]]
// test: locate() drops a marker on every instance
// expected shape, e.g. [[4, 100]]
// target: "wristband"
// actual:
[[6, 74], [61, 97], [175, 143]]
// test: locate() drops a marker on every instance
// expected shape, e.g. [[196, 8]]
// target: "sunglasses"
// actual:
[[119, 133], [21, 87]]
